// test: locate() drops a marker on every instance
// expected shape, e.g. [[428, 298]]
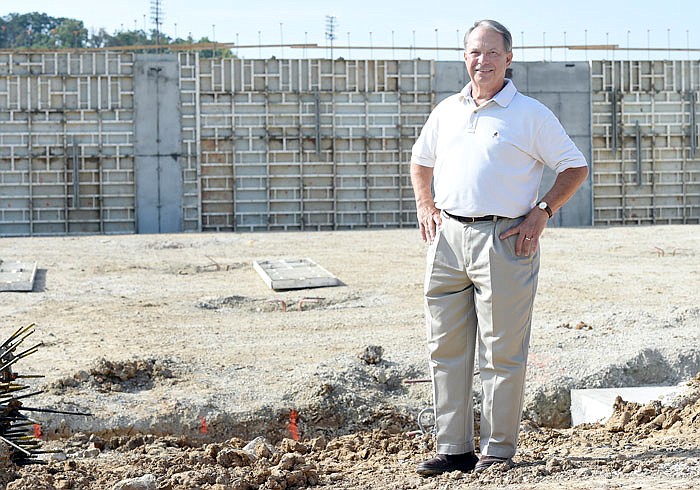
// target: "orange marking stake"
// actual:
[[37, 431], [293, 429], [203, 425]]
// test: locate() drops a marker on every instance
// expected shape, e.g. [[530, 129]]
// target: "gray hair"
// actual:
[[494, 26]]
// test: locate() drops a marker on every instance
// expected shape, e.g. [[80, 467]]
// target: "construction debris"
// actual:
[[285, 274], [17, 276], [17, 430]]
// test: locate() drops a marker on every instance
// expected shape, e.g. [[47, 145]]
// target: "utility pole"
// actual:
[[331, 25], [157, 18]]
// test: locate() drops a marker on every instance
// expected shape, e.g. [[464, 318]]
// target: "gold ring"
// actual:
[[528, 238]]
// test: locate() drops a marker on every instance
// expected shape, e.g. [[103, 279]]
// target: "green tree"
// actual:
[[69, 33], [213, 53], [40, 31], [98, 39], [128, 38]]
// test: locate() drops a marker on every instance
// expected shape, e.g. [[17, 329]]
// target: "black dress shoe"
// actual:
[[486, 462], [444, 463]]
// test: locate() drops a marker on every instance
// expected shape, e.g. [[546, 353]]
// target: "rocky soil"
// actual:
[[200, 377], [646, 446]]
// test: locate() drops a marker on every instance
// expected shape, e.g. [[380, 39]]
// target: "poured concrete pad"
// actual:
[[294, 274], [596, 405], [17, 276]]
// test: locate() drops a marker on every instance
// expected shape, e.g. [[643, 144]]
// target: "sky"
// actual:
[[639, 24]]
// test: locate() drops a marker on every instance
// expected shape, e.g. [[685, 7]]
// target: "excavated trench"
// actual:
[[352, 394]]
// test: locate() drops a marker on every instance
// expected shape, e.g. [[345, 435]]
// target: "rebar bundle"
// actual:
[[19, 431]]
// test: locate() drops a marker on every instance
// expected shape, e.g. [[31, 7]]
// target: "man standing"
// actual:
[[484, 152]]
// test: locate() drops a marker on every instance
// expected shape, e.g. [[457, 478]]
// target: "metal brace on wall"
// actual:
[[76, 175], [613, 110], [317, 107], [638, 138], [693, 127]]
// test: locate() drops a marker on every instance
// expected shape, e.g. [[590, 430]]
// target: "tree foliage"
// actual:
[[41, 31]]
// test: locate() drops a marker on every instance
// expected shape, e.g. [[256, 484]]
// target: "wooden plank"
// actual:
[[17, 276], [281, 274]]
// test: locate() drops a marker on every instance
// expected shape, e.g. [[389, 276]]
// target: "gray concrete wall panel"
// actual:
[[565, 89], [157, 144], [450, 78], [536, 77]]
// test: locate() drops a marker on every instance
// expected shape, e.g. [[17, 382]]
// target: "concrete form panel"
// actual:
[[645, 136], [158, 175], [284, 274], [558, 77], [17, 276], [565, 89], [290, 155], [58, 112], [450, 78]]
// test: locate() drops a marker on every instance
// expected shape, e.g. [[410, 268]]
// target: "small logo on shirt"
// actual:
[[495, 134]]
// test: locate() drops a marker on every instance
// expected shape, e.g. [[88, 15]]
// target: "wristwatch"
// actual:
[[545, 207]]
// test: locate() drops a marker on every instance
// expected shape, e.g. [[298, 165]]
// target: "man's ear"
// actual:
[[509, 59]]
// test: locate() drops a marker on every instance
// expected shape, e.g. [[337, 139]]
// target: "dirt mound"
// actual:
[[635, 418], [355, 393], [657, 443], [107, 376]]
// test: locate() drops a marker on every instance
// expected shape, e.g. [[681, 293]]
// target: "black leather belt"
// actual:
[[465, 219]]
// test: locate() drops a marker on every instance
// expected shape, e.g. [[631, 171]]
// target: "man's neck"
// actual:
[[481, 95]]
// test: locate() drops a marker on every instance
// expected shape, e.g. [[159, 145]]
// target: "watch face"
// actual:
[[543, 205]]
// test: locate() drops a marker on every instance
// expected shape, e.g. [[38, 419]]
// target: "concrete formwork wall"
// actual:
[[645, 137], [66, 143], [305, 144]]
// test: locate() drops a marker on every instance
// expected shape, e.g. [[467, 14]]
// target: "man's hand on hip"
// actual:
[[429, 220], [528, 231]]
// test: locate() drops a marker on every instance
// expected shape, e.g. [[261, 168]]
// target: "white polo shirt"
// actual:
[[489, 159]]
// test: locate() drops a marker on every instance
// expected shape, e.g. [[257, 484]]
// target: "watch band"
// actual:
[[546, 208]]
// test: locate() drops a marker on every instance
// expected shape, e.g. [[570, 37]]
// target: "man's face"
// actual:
[[486, 58]]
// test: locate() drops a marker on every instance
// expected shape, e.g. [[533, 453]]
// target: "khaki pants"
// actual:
[[476, 287]]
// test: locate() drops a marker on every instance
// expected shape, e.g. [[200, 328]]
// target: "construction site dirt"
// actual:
[[199, 376]]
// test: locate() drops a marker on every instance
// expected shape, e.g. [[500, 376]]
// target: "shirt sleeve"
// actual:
[[554, 147], [424, 151]]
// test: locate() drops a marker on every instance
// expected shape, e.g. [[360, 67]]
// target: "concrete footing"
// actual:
[[596, 405]]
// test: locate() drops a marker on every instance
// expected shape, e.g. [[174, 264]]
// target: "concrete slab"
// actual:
[[281, 274], [17, 276], [596, 405]]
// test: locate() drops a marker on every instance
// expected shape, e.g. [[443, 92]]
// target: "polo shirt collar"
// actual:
[[502, 98]]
